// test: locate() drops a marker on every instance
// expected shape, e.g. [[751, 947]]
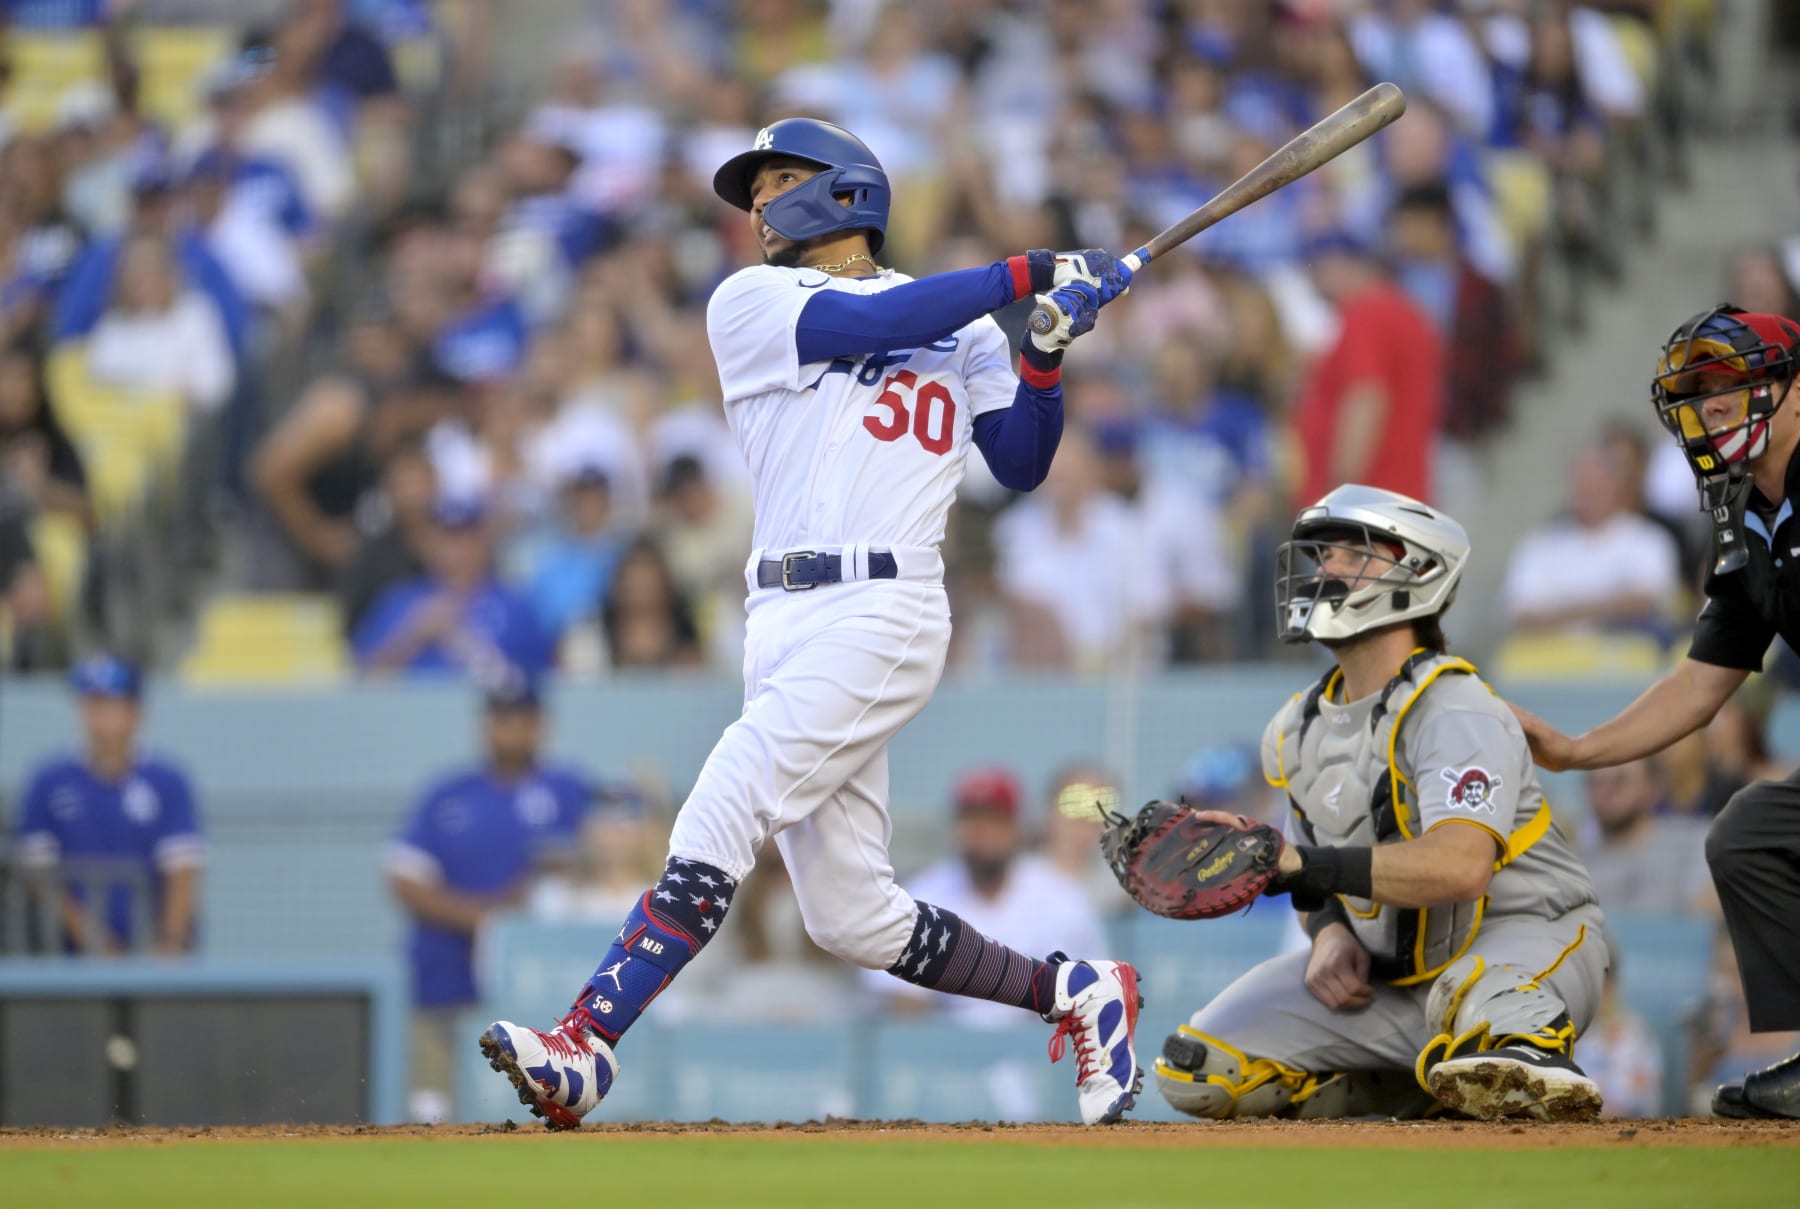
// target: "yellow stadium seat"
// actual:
[[173, 63], [130, 440], [1578, 656], [44, 67], [247, 638], [60, 543]]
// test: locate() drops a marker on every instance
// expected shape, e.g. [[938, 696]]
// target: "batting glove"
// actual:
[[1097, 267], [1072, 311]]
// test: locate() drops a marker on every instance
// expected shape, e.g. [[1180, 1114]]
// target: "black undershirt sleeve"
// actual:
[[1731, 632]]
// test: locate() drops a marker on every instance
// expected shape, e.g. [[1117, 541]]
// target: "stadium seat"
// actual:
[[45, 66], [130, 440], [249, 638], [1577, 657], [173, 62]]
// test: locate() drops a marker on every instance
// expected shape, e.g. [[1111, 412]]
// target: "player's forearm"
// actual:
[[1675, 706], [913, 314], [1438, 868], [1019, 442], [176, 928], [437, 905]]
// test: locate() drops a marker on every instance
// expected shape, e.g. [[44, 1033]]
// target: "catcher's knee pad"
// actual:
[[1204, 1076], [1477, 1007]]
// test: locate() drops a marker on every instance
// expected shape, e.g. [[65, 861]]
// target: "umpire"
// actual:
[[1724, 389]]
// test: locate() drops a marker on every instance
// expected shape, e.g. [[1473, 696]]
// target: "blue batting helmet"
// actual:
[[813, 208]]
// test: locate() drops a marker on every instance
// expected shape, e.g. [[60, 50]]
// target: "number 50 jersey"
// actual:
[[858, 449]]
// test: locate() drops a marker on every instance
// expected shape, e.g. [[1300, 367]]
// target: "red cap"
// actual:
[[990, 788]]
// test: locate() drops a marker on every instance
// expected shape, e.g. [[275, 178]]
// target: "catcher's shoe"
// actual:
[[1097, 1005], [559, 1075], [1771, 1092], [1515, 1081]]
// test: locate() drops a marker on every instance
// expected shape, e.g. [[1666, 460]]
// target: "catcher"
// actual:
[[1457, 947]]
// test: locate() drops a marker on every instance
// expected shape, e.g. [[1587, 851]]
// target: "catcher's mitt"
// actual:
[[1182, 866]]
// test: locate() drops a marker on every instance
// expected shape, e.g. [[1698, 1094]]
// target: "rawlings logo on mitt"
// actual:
[[1179, 864]]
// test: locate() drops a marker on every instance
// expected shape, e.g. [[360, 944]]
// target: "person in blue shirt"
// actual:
[[118, 830], [469, 850], [456, 618]]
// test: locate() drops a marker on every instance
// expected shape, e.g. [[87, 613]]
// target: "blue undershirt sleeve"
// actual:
[[1019, 441], [838, 324]]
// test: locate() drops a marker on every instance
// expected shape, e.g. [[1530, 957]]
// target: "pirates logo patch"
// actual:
[[1471, 789]]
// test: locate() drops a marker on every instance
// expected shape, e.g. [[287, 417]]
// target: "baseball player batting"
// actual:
[[854, 393], [1457, 945]]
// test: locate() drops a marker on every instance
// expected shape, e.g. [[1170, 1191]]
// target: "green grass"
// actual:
[[726, 1173]]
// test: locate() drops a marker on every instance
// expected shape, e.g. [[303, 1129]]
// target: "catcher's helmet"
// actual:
[[1734, 356], [1411, 556], [813, 208]]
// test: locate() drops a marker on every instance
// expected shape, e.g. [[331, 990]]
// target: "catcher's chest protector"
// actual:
[[1347, 780]]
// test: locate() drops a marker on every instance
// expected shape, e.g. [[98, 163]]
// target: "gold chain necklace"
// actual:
[[845, 263]]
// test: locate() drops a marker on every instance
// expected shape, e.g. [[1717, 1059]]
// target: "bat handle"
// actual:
[[1046, 315]]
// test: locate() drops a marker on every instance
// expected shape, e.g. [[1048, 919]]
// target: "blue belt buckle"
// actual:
[[787, 566]]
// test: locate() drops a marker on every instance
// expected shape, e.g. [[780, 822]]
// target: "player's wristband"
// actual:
[[1331, 911], [1328, 871], [1032, 273], [1037, 368]]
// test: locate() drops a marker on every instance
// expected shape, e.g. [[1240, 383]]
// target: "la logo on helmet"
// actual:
[[764, 140]]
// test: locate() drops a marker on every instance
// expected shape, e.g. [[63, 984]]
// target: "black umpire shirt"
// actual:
[[1747, 608]]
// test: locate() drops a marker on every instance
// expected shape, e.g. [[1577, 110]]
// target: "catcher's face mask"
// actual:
[[1718, 383], [1362, 559]]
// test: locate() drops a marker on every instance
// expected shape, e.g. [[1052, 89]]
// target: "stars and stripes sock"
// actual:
[[948, 954], [671, 923]]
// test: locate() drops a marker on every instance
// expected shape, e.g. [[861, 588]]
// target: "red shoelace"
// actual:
[[1071, 1026]]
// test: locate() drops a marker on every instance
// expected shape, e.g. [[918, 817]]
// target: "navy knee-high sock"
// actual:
[[669, 925], [948, 954]]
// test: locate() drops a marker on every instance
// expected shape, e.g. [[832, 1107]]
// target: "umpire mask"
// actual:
[[1362, 559]]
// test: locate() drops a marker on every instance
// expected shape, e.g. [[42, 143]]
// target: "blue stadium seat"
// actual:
[[1663, 964]]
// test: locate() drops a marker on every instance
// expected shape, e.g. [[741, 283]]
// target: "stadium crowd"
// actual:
[[342, 309]]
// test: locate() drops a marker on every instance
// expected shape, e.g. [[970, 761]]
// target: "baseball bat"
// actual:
[[1323, 142]]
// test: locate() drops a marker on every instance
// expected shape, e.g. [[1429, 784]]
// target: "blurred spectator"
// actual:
[[1227, 777], [112, 836], [467, 851], [1471, 312], [93, 283], [1621, 1054], [1629, 445], [1047, 546], [1602, 568], [1016, 897], [1760, 281], [39, 241], [314, 469], [1427, 51], [706, 531], [1721, 1046], [285, 119], [393, 524], [456, 617], [621, 851], [1371, 404], [1738, 738], [37, 460], [159, 335], [25, 601], [1693, 783], [569, 569], [1640, 862], [1079, 795], [646, 622]]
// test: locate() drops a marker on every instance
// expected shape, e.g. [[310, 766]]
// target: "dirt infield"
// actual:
[[1399, 1135]]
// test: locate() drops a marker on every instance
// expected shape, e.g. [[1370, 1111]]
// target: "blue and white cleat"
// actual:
[[560, 1075], [1097, 1005]]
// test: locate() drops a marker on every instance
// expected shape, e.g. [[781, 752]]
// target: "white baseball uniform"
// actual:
[[846, 457]]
